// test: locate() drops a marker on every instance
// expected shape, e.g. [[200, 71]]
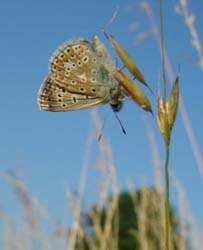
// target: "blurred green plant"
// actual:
[[140, 215]]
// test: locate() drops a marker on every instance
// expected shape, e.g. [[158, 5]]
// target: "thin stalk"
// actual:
[[167, 198], [162, 47], [167, 183]]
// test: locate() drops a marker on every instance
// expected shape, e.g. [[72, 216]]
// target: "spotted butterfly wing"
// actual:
[[80, 76], [53, 97]]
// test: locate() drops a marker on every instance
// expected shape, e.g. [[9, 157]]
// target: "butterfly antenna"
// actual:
[[123, 129], [103, 124]]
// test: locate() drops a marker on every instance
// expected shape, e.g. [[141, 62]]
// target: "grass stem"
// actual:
[[167, 198]]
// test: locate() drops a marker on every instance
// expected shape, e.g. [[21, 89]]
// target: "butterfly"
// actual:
[[81, 75]]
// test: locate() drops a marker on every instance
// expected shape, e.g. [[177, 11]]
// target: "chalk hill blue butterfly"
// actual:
[[81, 75]]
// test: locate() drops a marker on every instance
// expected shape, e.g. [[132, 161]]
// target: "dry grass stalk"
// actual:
[[77, 206], [189, 229], [106, 164], [142, 221], [189, 19], [8, 238]]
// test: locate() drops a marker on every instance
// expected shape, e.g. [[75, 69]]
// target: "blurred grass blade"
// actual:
[[134, 91], [172, 105], [127, 60]]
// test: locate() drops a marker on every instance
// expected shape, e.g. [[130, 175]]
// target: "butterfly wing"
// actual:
[[78, 78], [76, 65], [52, 97]]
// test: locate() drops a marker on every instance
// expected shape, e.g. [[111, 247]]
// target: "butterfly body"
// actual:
[[81, 75]]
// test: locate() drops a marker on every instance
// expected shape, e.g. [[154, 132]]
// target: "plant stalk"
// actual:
[[162, 47], [167, 199]]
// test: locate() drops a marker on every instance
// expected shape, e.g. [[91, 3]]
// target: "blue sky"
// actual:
[[51, 146]]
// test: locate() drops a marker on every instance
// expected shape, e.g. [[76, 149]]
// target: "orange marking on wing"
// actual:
[[71, 52]]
